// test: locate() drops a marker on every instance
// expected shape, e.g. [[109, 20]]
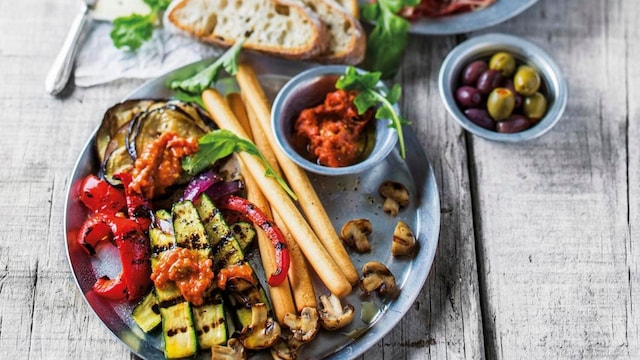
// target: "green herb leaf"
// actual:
[[364, 100], [412, 3], [394, 94], [201, 81], [394, 5], [388, 39], [187, 97], [158, 4], [370, 11], [219, 144], [370, 95], [131, 31]]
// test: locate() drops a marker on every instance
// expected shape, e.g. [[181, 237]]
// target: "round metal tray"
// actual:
[[345, 198]]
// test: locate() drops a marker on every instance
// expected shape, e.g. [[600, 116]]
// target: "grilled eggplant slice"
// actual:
[[117, 161], [149, 125], [114, 118], [199, 116]]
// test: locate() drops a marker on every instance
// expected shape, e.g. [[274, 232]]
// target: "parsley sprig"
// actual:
[[371, 95], [221, 143], [133, 30], [388, 39]]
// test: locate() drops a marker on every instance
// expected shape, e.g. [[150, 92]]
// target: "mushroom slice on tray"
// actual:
[[354, 233], [404, 241], [377, 277], [233, 351], [333, 315], [395, 196], [262, 332], [303, 327]]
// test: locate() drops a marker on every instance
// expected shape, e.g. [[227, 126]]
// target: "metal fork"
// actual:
[[60, 71]]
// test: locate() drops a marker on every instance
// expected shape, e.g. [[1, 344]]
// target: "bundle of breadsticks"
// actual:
[[311, 238]]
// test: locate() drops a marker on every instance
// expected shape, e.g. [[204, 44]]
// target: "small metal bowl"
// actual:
[[553, 85], [309, 89]]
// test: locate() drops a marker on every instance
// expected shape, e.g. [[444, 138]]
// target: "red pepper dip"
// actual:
[[192, 274], [160, 164], [332, 129]]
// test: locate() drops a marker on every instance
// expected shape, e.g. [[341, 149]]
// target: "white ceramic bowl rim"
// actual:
[[485, 45], [386, 138]]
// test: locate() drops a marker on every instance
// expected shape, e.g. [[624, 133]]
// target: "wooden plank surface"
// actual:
[[552, 215], [537, 255]]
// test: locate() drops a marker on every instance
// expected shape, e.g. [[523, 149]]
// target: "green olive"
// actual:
[[526, 81], [535, 106], [503, 62], [500, 103]]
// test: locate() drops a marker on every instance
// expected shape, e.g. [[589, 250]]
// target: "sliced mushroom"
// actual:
[[377, 277], [304, 327], [233, 351], [332, 315], [395, 196], [262, 332], [354, 233], [282, 351], [404, 241]]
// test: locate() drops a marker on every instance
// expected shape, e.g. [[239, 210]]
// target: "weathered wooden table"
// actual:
[[538, 254]]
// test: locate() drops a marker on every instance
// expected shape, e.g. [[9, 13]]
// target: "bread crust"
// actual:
[[347, 39], [265, 24]]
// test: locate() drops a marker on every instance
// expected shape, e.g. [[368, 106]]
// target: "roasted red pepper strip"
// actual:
[[270, 228], [99, 196], [114, 289], [133, 247], [138, 207]]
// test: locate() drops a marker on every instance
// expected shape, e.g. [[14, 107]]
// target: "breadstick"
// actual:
[[318, 257], [312, 206], [299, 276], [281, 298]]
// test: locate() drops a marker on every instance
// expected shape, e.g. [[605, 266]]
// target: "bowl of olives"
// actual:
[[502, 88]]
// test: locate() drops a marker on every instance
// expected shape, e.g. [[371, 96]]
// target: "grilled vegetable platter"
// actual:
[[118, 240]]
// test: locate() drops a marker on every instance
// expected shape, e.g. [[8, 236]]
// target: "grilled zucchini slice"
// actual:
[[210, 317], [178, 331], [147, 313], [227, 252]]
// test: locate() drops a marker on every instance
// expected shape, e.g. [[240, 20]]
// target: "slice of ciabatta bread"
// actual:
[[347, 39], [351, 6], [280, 27]]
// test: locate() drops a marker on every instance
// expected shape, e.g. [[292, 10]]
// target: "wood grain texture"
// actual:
[[537, 255], [551, 214], [445, 322]]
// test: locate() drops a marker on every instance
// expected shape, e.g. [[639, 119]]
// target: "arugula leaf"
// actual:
[[370, 95], [133, 30], [388, 39], [221, 143], [187, 97], [202, 80]]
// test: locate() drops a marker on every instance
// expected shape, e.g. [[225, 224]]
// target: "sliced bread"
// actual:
[[347, 39], [280, 27], [351, 6]]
